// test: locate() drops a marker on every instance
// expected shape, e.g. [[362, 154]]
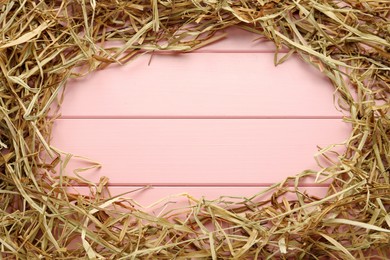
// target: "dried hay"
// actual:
[[41, 44]]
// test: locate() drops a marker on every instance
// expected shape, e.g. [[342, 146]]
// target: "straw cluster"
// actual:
[[43, 42]]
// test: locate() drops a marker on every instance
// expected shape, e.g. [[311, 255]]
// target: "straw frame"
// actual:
[[42, 43]]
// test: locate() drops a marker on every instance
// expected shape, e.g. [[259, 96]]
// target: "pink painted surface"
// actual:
[[203, 85], [197, 151], [219, 121]]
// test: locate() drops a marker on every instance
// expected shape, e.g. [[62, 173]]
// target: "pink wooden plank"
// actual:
[[196, 151], [154, 199], [205, 85]]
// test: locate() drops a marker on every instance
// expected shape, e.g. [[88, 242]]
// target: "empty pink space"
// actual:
[[221, 121], [196, 151], [202, 85]]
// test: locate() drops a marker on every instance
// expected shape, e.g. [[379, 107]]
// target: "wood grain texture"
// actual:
[[196, 151], [221, 121], [203, 85]]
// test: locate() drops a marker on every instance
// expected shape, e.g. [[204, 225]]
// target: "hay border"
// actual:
[[42, 42]]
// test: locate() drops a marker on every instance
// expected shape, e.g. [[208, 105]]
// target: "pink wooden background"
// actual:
[[220, 121]]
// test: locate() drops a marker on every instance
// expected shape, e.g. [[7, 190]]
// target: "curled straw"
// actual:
[[42, 42]]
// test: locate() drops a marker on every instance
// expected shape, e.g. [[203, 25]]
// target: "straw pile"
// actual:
[[41, 44]]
